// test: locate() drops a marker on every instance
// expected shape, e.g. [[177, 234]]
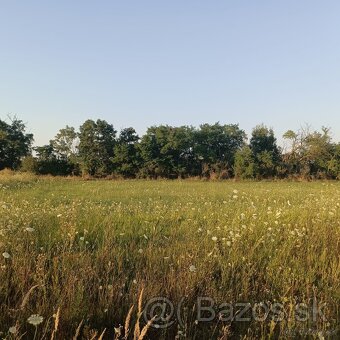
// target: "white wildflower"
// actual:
[[13, 330], [35, 319], [192, 268]]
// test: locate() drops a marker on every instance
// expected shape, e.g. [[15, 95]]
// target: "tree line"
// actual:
[[209, 151]]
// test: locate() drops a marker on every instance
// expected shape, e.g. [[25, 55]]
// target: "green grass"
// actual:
[[96, 244]]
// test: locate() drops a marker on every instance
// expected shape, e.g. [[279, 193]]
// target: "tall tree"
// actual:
[[127, 157], [167, 151], [245, 167], [15, 143], [265, 150], [65, 143], [216, 145], [96, 147], [317, 152], [312, 153], [65, 148], [333, 165]]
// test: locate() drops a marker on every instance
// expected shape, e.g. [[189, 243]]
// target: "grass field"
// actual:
[[80, 254]]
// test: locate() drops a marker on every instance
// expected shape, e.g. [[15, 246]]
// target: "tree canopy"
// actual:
[[211, 151]]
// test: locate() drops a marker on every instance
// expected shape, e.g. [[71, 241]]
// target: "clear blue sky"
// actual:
[[139, 63]]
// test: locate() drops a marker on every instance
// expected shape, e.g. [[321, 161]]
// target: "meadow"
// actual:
[[86, 259]]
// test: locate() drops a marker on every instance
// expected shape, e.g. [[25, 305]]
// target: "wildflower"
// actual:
[[140, 251], [192, 268], [35, 319], [82, 238], [6, 255], [214, 238], [228, 243], [235, 191], [13, 330], [118, 331]]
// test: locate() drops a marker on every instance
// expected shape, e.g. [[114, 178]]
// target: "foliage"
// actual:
[[212, 151], [127, 159], [245, 167], [265, 151], [15, 143], [167, 151], [96, 147]]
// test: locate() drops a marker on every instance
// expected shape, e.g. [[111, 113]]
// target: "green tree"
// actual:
[[65, 143], [265, 151], [317, 152], [216, 145], [48, 162], [15, 143], [96, 147], [291, 157], [333, 165], [312, 153], [167, 151], [127, 157], [245, 167], [65, 148]]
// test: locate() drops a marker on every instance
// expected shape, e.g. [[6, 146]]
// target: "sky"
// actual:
[[142, 63]]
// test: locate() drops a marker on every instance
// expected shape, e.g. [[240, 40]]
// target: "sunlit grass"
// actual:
[[89, 247]]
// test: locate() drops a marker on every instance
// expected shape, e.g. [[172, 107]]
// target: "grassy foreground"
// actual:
[[80, 253]]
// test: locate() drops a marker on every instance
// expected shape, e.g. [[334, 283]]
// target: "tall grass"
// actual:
[[81, 253]]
